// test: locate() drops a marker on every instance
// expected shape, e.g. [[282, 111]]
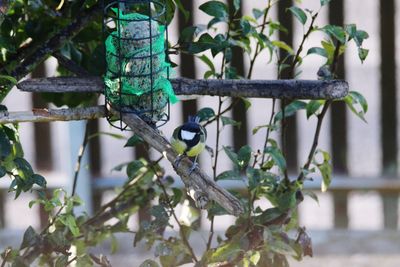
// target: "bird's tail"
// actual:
[[195, 119]]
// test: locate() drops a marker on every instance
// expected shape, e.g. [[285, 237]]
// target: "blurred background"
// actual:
[[355, 223]]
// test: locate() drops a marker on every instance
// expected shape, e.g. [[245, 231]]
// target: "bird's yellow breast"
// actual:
[[178, 145], [196, 150]]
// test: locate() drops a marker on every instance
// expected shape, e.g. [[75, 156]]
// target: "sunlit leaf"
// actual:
[[299, 14]]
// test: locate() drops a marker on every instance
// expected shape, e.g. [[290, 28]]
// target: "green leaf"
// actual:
[[215, 9], [277, 156], [299, 14], [313, 106], [5, 145], [182, 9], [31, 238], [284, 46], [133, 141], [205, 114], [236, 5], [9, 79], [360, 36], [317, 50], [62, 261], [257, 13], [39, 180], [226, 252], [205, 42], [149, 263], [324, 2], [354, 98], [281, 246], [229, 121], [291, 109], [229, 175], [312, 195], [246, 102], [271, 127], [232, 155], [3, 171], [114, 244], [208, 62], [325, 168], [245, 26], [69, 221], [362, 53], [24, 168], [244, 156], [133, 168], [336, 31]]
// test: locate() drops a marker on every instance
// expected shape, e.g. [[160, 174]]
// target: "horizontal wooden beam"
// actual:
[[47, 115], [281, 89]]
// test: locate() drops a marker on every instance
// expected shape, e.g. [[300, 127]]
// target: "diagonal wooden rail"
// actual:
[[282, 89]]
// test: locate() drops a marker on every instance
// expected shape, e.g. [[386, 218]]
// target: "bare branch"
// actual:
[[70, 65], [47, 115], [282, 89]]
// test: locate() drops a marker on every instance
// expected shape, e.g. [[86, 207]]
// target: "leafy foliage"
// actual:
[[261, 236]]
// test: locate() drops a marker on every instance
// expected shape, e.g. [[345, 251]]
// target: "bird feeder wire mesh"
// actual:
[[137, 73]]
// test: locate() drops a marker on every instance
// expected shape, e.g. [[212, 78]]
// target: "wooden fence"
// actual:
[[340, 126]]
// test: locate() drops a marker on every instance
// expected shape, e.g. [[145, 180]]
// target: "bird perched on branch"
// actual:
[[189, 140]]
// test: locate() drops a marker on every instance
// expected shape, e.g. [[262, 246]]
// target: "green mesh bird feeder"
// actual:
[[137, 73]]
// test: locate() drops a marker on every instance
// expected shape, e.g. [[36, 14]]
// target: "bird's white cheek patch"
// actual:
[[187, 135]]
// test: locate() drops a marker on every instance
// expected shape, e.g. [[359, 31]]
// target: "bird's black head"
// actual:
[[191, 127]]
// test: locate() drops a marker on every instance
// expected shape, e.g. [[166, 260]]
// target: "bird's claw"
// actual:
[[178, 160], [194, 166]]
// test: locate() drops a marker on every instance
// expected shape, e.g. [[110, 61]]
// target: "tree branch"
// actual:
[[197, 180], [281, 89], [47, 115], [70, 65]]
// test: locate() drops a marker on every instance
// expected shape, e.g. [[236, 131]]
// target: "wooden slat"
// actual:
[[188, 69], [239, 113], [339, 184], [42, 131], [389, 106], [289, 137], [338, 128], [187, 65]]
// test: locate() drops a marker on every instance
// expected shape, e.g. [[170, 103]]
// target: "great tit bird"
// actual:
[[189, 139]]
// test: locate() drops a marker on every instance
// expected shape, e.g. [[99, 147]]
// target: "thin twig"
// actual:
[[79, 160], [214, 166], [271, 118], [126, 188], [258, 50], [315, 141], [71, 260], [320, 118], [70, 65], [300, 49], [181, 230], [234, 102], [6, 253]]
